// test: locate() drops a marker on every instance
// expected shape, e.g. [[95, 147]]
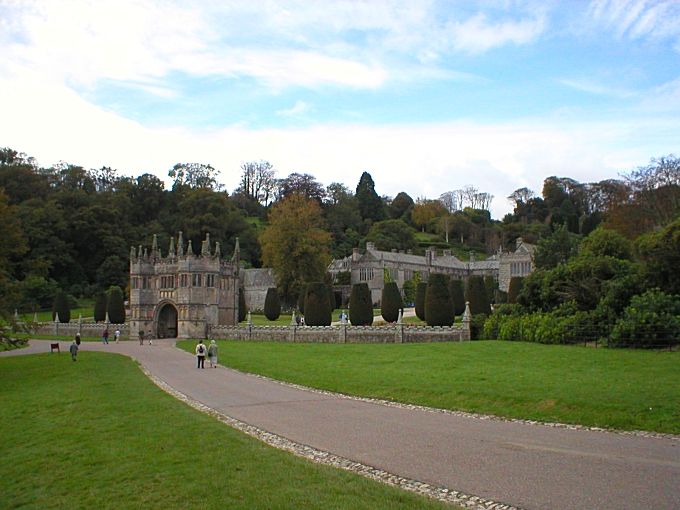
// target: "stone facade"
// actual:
[[184, 294], [255, 283], [518, 263], [372, 265]]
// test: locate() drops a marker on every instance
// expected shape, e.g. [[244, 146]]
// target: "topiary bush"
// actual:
[[476, 295], [651, 320], [61, 307], [116, 305], [331, 298], [457, 296], [100, 304], [317, 305], [438, 306], [490, 285], [242, 308], [514, 288], [421, 290], [390, 302], [477, 326], [360, 305], [272, 304]]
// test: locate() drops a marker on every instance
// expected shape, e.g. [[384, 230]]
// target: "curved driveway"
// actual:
[[519, 464]]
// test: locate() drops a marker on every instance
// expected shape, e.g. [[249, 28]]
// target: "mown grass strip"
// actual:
[[98, 434], [619, 389]]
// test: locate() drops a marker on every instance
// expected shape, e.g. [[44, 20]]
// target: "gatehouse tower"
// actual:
[[182, 294]]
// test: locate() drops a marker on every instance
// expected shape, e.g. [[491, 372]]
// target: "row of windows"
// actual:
[[171, 282], [520, 268]]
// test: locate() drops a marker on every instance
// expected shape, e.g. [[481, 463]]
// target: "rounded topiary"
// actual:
[[272, 304], [390, 302], [360, 305], [515, 287], [116, 306], [61, 307], [438, 306], [457, 296], [317, 305], [421, 289], [242, 308], [100, 303], [476, 295]]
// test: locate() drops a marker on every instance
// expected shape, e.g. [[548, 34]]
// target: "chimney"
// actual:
[[355, 254]]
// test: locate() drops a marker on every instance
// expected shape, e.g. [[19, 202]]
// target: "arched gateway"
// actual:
[[184, 294]]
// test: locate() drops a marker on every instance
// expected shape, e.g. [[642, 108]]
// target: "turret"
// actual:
[[205, 246], [180, 245], [171, 250]]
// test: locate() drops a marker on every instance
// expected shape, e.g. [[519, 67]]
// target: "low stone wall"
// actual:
[[342, 334], [85, 329]]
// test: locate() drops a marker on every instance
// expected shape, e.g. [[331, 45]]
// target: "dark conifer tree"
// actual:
[[272, 304], [476, 295], [360, 305], [438, 305], [457, 296], [317, 305], [390, 302], [61, 306], [490, 285], [242, 308], [371, 206], [116, 305], [100, 304], [421, 289], [516, 283]]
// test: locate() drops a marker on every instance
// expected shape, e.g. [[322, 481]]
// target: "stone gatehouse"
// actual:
[[182, 294]]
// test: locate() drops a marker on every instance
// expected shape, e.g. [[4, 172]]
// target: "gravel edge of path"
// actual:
[[439, 493]]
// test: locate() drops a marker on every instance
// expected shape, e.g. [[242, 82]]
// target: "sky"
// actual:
[[427, 96]]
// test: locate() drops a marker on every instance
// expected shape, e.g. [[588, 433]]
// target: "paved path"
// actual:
[[524, 465]]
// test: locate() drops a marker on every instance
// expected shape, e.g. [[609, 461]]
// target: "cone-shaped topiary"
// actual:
[[116, 305], [457, 296], [421, 289], [61, 307], [476, 295], [438, 305], [390, 302], [317, 306], [490, 284], [100, 303], [242, 308], [515, 287], [360, 305], [331, 297], [272, 304]]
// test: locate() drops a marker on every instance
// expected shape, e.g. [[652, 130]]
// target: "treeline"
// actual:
[[70, 228]]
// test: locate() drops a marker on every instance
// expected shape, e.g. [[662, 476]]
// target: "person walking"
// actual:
[[200, 354], [77, 339], [116, 335], [73, 349], [212, 354], [105, 336], [141, 337]]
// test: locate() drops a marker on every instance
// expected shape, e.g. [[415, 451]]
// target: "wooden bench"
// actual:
[[55, 346]]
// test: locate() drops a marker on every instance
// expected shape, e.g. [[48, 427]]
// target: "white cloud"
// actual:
[[593, 87], [477, 34], [299, 108]]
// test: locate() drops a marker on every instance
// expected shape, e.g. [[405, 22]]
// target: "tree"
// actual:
[[272, 304], [61, 307], [100, 304], [295, 244], [392, 234], [116, 305], [421, 290], [514, 288], [660, 253], [390, 302], [651, 320], [360, 305], [438, 305], [457, 296], [317, 305], [301, 184], [425, 211], [557, 248], [606, 243], [371, 206], [258, 181], [400, 207], [344, 221], [194, 175], [476, 296]]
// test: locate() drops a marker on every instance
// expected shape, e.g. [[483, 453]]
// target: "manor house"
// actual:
[[372, 266], [182, 294]]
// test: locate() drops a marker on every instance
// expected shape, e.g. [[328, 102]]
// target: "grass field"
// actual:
[[98, 434], [46, 315], [621, 389]]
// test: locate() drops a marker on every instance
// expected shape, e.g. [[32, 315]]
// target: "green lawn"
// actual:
[[98, 434], [46, 315], [622, 389]]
